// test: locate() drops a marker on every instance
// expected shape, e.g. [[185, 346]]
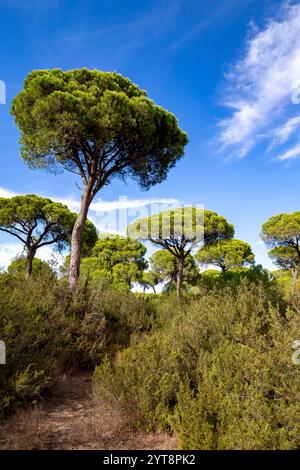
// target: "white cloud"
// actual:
[[6, 193], [293, 152], [107, 216], [101, 205], [261, 85], [9, 251], [284, 132], [123, 203]]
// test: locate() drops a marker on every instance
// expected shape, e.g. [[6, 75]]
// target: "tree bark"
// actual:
[[295, 274], [76, 239], [29, 260], [180, 264]]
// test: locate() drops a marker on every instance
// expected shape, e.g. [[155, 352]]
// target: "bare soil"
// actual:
[[73, 417]]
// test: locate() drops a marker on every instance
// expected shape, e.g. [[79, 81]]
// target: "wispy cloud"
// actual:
[[123, 203], [136, 30], [10, 250], [215, 13], [101, 205], [292, 153], [260, 86], [284, 132], [107, 216]]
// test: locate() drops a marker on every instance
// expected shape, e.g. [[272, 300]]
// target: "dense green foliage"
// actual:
[[281, 233], [225, 254], [211, 278], [98, 125], [43, 334], [37, 222], [215, 368], [286, 258], [219, 372], [181, 228], [36, 219], [80, 117], [18, 267], [118, 259], [163, 268], [150, 280], [46, 332], [179, 231]]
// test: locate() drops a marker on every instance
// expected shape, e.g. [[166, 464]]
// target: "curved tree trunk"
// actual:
[[180, 263], [76, 240], [29, 260]]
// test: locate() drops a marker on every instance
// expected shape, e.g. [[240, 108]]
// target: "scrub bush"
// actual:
[[219, 373], [45, 332]]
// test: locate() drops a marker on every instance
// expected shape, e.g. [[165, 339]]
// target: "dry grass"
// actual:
[[73, 419]]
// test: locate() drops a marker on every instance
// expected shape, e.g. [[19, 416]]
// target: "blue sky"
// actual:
[[228, 69]]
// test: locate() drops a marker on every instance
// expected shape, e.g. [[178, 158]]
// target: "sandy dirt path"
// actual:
[[72, 418]]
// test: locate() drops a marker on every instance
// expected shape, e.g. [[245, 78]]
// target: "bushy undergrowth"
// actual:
[[44, 332], [215, 368], [219, 373]]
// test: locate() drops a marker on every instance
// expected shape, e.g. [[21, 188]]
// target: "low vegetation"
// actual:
[[214, 369], [46, 332], [218, 373]]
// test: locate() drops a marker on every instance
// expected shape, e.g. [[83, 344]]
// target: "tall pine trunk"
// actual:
[[29, 261], [180, 263], [76, 239], [295, 274]]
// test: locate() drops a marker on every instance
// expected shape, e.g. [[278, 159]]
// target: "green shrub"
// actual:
[[211, 278], [219, 373], [18, 267], [45, 332], [126, 314], [42, 336]]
